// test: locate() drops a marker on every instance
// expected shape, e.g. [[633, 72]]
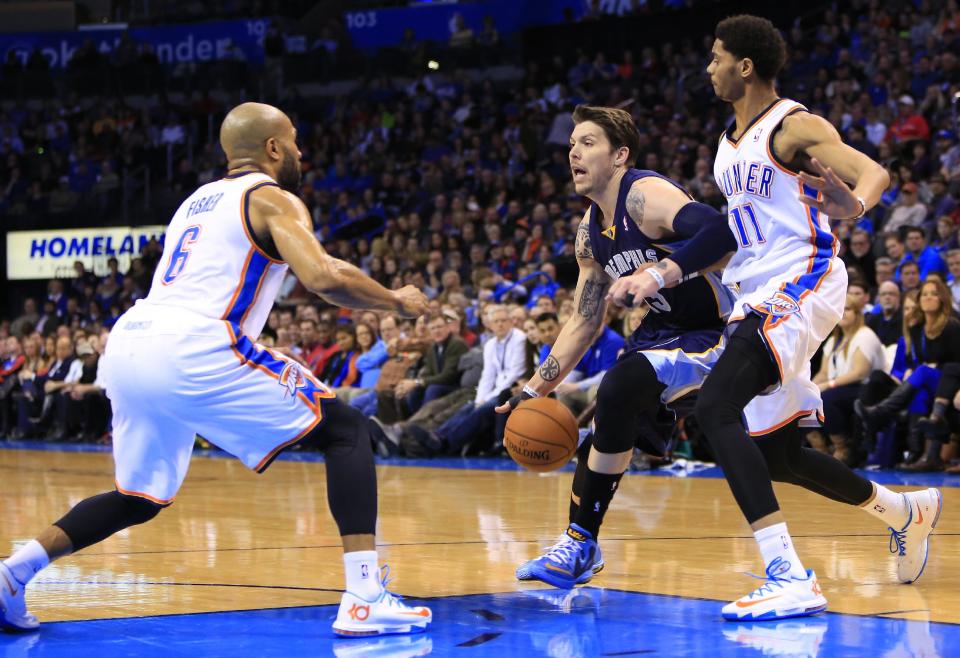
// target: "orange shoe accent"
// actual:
[[747, 604], [816, 588], [920, 514], [359, 612], [422, 613], [558, 569]]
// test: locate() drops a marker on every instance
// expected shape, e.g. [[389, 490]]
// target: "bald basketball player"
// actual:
[[184, 362]]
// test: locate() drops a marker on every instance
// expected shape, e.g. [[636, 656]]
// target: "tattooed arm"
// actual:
[[582, 329]]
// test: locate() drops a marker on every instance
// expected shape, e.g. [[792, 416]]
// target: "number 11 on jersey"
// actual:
[[745, 213], [181, 254]]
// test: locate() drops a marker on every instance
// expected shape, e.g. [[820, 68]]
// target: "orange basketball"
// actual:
[[541, 434]]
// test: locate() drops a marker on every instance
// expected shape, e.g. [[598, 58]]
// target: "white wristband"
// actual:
[[652, 271], [529, 391]]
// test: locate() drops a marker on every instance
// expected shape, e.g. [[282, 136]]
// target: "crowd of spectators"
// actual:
[[459, 185]]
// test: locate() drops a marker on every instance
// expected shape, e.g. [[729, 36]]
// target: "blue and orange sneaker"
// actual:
[[780, 597], [571, 561], [523, 572]]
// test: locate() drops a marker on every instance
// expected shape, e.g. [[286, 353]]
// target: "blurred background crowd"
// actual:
[[443, 164]]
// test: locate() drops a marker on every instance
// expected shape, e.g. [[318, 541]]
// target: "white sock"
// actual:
[[888, 506], [27, 561], [363, 574], [775, 542]]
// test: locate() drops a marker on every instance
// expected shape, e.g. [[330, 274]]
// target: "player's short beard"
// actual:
[[290, 174]]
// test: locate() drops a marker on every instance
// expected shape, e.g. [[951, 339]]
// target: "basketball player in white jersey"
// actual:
[[791, 293], [184, 362]]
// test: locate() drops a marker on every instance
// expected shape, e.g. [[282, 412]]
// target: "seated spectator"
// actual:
[[27, 321], [885, 270], [910, 276], [932, 341], [886, 320], [907, 211], [28, 399], [437, 377], [373, 353], [953, 264], [504, 362], [946, 236], [324, 348], [341, 368], [926, 257], [849, 356], [11, 362], [860, 253], [87, 410]]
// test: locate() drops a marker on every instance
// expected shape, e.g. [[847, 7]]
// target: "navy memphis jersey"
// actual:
[[699, 302]]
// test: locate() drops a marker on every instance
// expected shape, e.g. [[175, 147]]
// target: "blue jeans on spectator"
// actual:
[[468, 424], [925, 380], [420, 396], [366, 403]]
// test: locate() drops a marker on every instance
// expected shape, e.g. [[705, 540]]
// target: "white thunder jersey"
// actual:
[[184, 362], [786, 267], [211, 263]]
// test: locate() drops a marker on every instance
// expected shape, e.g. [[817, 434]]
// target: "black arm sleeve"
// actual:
[[709, 237]]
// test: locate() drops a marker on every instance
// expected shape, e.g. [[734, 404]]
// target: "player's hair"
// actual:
[[841, 338], [756, 39], [616, 124], [546, 317]]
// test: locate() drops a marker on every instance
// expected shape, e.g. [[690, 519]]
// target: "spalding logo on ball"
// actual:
[[541, 434]]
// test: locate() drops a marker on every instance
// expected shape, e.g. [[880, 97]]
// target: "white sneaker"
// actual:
[[911, 543], [780, 597], [13, 604], [385, 615]]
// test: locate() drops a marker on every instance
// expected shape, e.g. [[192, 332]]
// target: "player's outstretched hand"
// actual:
[[838, 200], [412, 302], [512, 403]]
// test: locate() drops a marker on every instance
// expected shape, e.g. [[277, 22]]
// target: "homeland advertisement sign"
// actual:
[[175, 44], [51, 254]]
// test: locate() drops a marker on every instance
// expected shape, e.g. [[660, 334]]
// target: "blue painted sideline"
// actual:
[[680, 469], [577, 623]]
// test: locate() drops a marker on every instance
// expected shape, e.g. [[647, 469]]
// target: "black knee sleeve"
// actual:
[[629, 390], [96, 518], [344, 437]]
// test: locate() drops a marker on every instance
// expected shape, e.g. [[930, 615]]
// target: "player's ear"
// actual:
[[621, 158], [746, 67], [273, 150]]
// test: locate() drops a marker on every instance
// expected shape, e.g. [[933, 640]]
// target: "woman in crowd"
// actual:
[[931, 341], [851, 353]]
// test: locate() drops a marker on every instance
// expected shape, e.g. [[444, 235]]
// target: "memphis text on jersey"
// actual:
[[754, 178]]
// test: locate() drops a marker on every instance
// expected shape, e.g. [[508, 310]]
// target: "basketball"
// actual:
[[541, 434]]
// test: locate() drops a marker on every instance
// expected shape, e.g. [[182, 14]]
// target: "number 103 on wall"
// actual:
[[745, 219]]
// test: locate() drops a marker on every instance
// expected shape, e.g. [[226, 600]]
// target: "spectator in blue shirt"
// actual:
[[918, 251]]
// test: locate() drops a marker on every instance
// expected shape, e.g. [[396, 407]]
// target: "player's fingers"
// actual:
[[813, 181], [810, 201], [503, 408]]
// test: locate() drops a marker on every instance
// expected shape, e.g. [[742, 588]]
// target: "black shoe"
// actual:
[[429, 441], [923, 465]]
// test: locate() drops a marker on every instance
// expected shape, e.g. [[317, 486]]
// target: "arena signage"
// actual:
[[51, 254], [176, 44], [376, 28]]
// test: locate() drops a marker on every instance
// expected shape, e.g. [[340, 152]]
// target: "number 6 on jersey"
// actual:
[[180, 255]]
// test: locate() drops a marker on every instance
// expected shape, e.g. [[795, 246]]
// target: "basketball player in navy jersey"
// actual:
[[637, 219], [783, 170]]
